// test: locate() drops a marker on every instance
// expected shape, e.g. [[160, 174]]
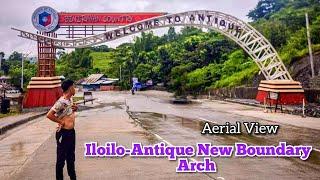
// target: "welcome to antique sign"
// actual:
[[197, 19]]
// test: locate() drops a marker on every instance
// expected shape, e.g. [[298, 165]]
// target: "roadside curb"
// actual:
[[249, 104], [285, 110], [20, 122]]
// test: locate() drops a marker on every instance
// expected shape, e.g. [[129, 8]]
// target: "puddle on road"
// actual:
[[118, 105], [150, 138], [101, 108], [170, 125], [17, 149], [158, 122]]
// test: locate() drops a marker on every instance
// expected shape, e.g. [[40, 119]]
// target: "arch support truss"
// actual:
[[255, 44]]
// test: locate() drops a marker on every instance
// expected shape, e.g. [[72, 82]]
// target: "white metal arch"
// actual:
[[255, 44]]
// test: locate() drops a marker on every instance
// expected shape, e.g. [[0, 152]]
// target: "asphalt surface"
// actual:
[[28, 152]]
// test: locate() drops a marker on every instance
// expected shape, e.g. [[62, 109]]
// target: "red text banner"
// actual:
[[103, 19]]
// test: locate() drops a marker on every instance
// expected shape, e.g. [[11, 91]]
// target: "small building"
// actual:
[[99, 82], [4, 79]]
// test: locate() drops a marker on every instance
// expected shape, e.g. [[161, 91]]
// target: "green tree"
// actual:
[[15, 56], [166, 64], [2, 54], [143, 72], [199, 79], [172, 35], [265, 8], [101, 48], [179, 79], [76, 65], [29, 71]]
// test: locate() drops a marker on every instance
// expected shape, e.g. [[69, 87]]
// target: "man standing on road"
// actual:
[[63, 113]]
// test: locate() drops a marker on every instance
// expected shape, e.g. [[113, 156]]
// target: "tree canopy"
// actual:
[[190, 60]]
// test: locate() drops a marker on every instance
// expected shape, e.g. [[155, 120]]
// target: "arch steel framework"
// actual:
[[254, 43]]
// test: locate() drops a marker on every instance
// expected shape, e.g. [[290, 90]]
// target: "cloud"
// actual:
[[16, 13]]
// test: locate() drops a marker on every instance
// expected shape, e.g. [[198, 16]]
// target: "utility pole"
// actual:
[[1, 57], [309, 45], [120, 71], [24, 56], [22, 71]]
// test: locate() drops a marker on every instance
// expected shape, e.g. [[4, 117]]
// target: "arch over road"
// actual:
[[248, 38]]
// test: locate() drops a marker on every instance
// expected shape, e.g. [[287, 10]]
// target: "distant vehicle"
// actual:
[[149, 82], [180, 100], [138, 86], [144, 87], [12, 91]]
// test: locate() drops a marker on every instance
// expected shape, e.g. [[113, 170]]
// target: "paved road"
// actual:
[[181, 125], [29, 151]]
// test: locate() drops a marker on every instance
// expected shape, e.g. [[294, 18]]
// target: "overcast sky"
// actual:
[[17, 13]]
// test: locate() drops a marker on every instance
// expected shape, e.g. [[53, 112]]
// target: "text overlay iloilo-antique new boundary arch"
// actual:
[[256, 45]]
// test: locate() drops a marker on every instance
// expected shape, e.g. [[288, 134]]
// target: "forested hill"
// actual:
[[192, 60]]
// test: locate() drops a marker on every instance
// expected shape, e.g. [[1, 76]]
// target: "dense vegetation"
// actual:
[[191, 60], [12, 67], [283, 23]]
